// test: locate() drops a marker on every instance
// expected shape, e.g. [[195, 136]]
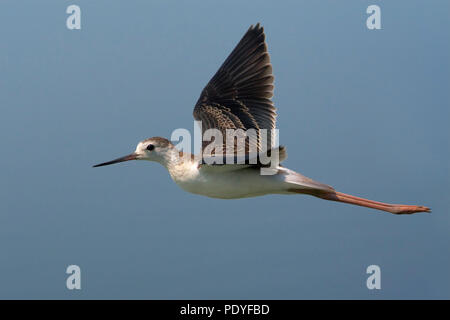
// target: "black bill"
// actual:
[[132, 156]]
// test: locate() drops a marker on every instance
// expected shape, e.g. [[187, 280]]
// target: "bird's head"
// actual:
[[152, 149]]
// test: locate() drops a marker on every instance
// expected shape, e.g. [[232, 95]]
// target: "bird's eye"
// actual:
[[150, 147]]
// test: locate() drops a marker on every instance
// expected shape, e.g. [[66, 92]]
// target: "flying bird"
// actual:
[[239, 97]]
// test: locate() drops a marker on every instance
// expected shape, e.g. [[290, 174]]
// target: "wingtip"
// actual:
[[257, 27]]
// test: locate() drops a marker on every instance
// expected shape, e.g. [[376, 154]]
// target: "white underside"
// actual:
[[234, 181]]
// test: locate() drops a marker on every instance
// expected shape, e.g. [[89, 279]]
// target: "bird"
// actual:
[[239, 97]]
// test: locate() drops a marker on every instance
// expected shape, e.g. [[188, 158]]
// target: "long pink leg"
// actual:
[[347, 198], [392, 208]]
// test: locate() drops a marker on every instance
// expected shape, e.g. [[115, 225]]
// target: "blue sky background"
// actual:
[[364, 111]]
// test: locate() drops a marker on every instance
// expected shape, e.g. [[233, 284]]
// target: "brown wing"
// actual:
[[239, 94]]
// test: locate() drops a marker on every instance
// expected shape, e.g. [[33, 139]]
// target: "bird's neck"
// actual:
[[175, 160], [181, 166]]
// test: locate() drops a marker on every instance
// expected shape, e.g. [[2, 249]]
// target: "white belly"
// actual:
[[231, 184]]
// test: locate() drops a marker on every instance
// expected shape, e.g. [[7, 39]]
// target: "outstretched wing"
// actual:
[[239, 94]]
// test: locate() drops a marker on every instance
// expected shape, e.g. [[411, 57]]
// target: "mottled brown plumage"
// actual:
[[239, 95], [161, 142]]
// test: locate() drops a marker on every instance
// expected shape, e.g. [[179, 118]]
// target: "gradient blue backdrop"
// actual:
[[364, 111]]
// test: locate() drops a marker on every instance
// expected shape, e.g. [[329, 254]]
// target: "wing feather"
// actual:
[[239, 95]]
